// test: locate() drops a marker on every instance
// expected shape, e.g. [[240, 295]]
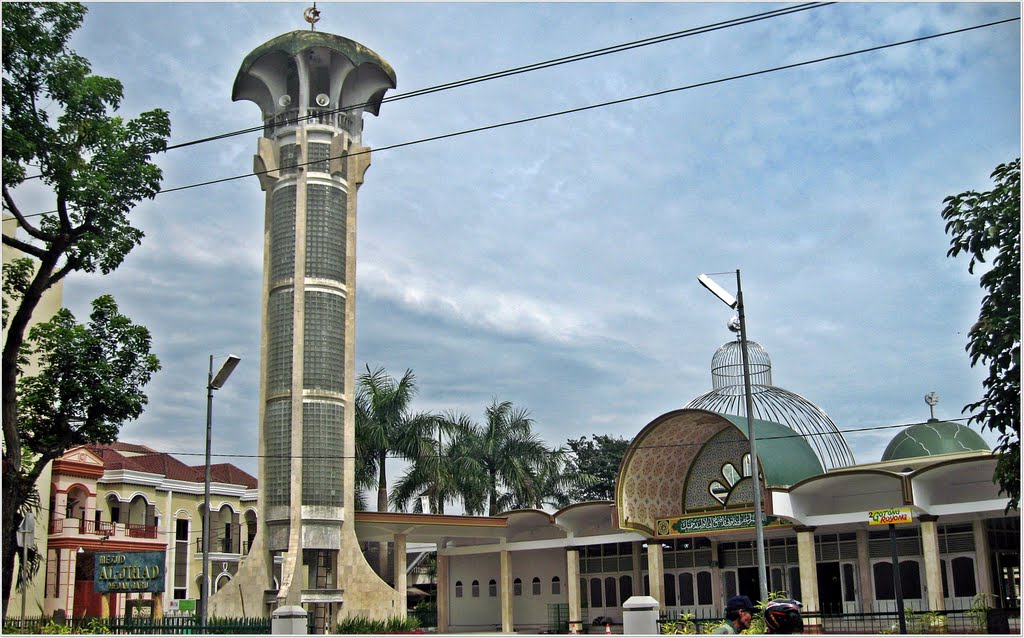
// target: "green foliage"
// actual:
[[385, 425], [978, 613], [987, 226], [425, 613], [684, 625], [364, 625], [17, 274], [599, 461], [90, 381], [59, 119]]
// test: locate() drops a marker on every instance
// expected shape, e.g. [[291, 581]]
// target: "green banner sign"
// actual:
[[686, 525], [129, 572]]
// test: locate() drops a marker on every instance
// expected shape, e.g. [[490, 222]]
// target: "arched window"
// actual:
[[584, 602], [882, 573], [686, 589], [963, 576], [625, 587], [517, 587], [703, 588], [670, 590], [556, 586], [595, 592], [458, 589], [849, 589], [609, 591], [476, 589], [492, 588], [222, 580], [910, 579]]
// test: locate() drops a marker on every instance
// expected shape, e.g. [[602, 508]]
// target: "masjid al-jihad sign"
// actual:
[[129, 572]]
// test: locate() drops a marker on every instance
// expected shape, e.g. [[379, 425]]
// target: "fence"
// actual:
[[951, 621], [168, 625]]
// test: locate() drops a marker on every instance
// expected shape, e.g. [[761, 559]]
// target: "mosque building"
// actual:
[[681, 527]]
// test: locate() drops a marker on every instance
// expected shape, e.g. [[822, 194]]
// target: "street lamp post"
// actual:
[[212, 383], [737, 304]]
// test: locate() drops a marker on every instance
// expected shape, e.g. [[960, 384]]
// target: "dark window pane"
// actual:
[[883, 581], [963, 576], [595, 592], [910, 578], [849, 591], [609, 592], [703, 588], [670, 590], [686, 589], [625, 587], [794, 583]]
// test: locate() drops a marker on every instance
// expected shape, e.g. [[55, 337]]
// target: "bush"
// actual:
[[363, 625]]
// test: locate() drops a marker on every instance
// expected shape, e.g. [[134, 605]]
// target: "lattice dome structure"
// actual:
[[770, 402]]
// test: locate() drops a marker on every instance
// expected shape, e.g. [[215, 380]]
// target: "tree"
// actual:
[[385, 425], [439, 475], [554, 481], [500, 460], [600, 460], [987, 225], [56, 119], [90, 382]]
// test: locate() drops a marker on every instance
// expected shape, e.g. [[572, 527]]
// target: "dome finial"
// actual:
[[931, 399], [312, 16]]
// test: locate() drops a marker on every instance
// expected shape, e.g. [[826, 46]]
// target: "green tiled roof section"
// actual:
[[786, 457], [295, 41], [933, 438]]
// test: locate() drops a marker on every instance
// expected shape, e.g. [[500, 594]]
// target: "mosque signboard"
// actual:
[[708, 523], [118, 572]]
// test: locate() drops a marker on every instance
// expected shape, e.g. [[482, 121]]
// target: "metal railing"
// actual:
[[314, 116]]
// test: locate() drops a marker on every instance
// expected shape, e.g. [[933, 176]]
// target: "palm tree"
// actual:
[[436, 475], [499, 461], [385, 426], [554, 479]]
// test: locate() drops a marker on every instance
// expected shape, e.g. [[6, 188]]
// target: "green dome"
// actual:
[[933, 438], [785, 456]]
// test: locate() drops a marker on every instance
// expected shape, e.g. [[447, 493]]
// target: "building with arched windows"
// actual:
[[125, 498]]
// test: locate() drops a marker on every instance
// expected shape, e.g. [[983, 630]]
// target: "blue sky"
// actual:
[[553, 264]]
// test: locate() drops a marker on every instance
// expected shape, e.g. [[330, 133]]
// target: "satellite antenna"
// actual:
[[931, 399]]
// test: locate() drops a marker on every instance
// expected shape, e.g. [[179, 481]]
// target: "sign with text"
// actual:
[[129, 572], [891, 517], [685, 525]]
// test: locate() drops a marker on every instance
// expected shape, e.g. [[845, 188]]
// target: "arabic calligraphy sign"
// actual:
[[705, 523]]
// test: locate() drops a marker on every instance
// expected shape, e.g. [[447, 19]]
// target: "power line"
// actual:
[[596, 106], [536, 66]]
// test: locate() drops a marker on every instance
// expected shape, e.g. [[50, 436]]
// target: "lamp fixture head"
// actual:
[[225, 371], [717, 290]]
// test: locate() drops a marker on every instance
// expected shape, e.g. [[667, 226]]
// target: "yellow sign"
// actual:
[[891, 517]]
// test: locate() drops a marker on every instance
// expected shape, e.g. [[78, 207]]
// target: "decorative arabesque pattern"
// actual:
[[771, 403]]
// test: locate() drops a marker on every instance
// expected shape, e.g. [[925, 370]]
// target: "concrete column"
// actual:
[[401, 578], [716, 578], [442, 589], [506, 591], [656, 571], [866, 580], [982, 559], [808, 571], [932, 566], [638, 572], [572, 589]]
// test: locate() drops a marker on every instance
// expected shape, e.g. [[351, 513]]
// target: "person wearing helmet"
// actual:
[[782, 616]]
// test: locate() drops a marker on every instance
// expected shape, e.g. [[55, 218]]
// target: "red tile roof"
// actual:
[[145, 459]]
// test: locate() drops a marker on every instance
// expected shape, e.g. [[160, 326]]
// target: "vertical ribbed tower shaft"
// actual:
[[312, 88]]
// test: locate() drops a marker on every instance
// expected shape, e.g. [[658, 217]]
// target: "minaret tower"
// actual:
[[312, 89]]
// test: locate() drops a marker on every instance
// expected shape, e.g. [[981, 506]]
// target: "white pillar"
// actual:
[[717, 598], [866, 593], [442, 589], [656, 571], [808, 571], [401, 578], [572, 589], [982, 558], [932, 566], [506, 591]]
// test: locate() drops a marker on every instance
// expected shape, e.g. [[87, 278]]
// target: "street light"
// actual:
[[212, 383], [737, 304]]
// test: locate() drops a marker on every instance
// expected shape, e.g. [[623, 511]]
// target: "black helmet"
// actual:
[[782, 616]]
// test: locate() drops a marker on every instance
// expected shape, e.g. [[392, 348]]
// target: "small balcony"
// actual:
[[74, 527]]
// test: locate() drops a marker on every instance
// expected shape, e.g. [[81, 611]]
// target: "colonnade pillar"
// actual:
[[638, 572], [866, 593], [932, 565], [716, 577], [572, 588], [656, 571], [982, 558], [808, 571], [506, 591], [401, 577], [442, 588]]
